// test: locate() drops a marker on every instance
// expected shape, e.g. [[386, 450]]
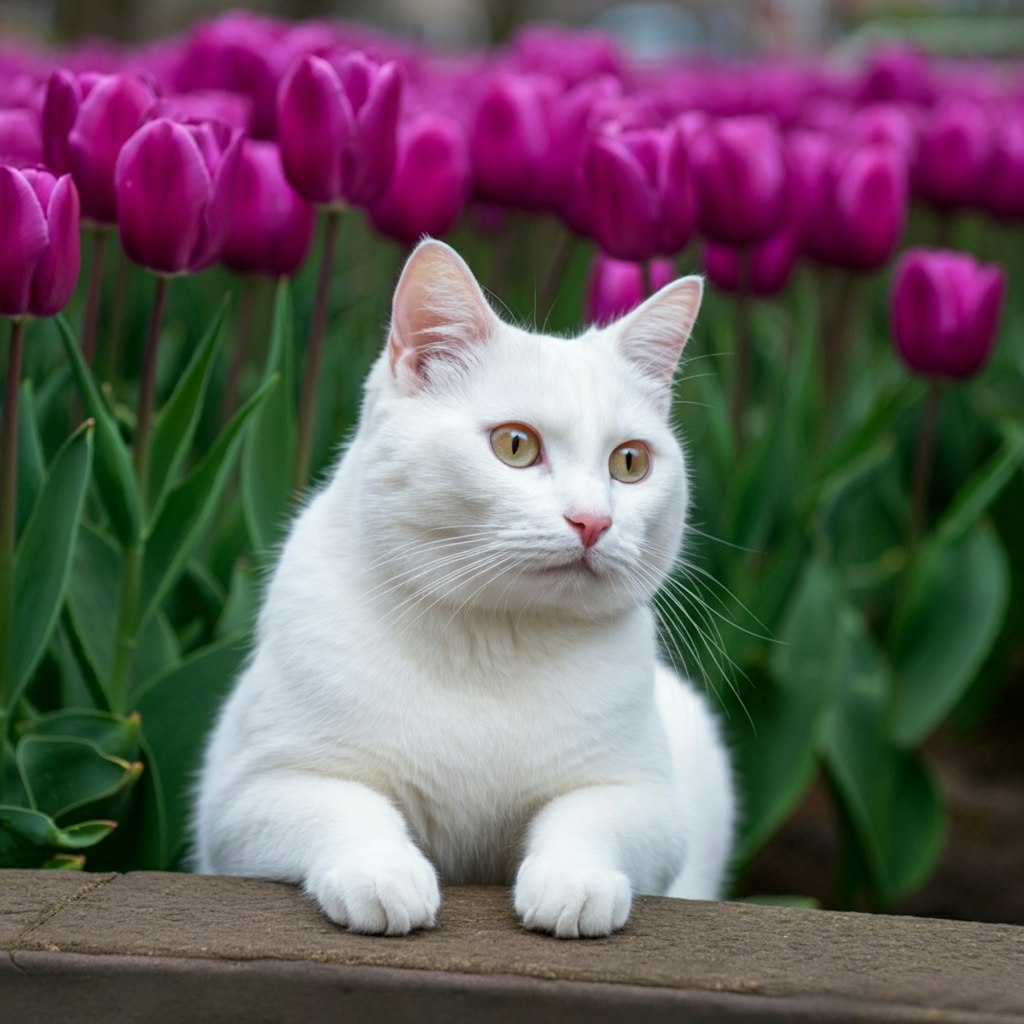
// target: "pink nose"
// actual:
[[590, 527]]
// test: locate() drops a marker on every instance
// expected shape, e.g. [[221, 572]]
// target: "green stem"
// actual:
[[243, 336], [923, 461], [90, 316], [554, 275], [744, 357], [134, 556], [314, 356], [147, 384], [8, 512]]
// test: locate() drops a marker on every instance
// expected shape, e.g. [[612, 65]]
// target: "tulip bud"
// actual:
[[39, 242], [174, 184], [762, 269], [954, 153], [1004, 194], [945, 311], [270, 225], [852, 199], [337, 128], [106, 117], [740, 173], [617, 286], [21, 140], [430, 186]]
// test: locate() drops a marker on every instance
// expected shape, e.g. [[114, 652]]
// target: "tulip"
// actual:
[[945, 310], [233, 108], [617, 286], [897, 73], [109, 112], [852, 199], [337, 128], [21, 140], [740, 173], [954, 154], [173, 186], [270, 226], [430, 186], [1004, 193], [636, 197], [40, 245], [762, 269]]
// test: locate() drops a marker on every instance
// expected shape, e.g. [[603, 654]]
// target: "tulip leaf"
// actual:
[[176, 424], [28, 838], [268, 458], [889, 794], [114, 473], [92, 603], [189, 506], [200, 683], [31, 463], [982, 489], [43, 557], [66, 773], [776, 755], [945, 626]]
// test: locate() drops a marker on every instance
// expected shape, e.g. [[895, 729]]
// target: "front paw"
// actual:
[[389, 893], [568, 900]]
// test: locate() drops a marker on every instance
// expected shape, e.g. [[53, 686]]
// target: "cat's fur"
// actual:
[[442, 684]]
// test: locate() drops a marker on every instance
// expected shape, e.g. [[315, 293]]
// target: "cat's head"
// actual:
[[509, 471]]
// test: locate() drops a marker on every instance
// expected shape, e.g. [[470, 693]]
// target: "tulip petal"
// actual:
[[216, 218], [107, 118], [370, 161], [871, 205], [57, 271], [984, 309], [921, 314], [23, 230], [163, 187], [21, 138], [315, 126], [60, 108]]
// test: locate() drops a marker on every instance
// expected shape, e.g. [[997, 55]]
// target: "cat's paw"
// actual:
[[570, 900], [389, 893]]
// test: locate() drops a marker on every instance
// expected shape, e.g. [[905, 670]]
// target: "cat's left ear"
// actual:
[[653, 335], [439, 313]]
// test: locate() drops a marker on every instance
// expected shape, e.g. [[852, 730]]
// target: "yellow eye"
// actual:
[[516, 445], [630, 462]]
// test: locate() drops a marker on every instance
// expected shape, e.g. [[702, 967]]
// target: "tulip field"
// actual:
[[199, 238]]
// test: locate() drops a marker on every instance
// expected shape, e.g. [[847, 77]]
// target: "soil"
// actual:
[[981, 874]]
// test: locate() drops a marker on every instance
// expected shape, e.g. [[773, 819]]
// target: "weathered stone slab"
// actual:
[[181, 934]]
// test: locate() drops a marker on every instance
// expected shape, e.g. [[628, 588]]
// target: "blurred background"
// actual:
[[655, 29]]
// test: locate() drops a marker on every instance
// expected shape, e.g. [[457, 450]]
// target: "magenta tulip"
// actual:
[[39, 242], [636, 195], [233, 108], [617, 286], [86, 121], [852, 199], [21, 140], [430, 185], [954, 154], [337, 128], [174, 183], [270, 225], [740, 172], [945, 310], [762, 269], [1004, 192]]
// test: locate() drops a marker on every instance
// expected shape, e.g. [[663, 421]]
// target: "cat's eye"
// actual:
[[516, 445], [630, 462]]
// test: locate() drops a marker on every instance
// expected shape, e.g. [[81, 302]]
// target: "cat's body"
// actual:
[[456, 664]]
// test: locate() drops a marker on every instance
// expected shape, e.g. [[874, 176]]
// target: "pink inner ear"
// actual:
[[653, 336], [438, 308]]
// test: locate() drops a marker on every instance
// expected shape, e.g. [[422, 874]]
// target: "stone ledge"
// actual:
[[162, 947]]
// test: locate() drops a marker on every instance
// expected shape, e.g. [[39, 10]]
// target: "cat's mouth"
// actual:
[[580, 566]]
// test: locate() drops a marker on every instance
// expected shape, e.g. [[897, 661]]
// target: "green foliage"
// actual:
[[838, 633]]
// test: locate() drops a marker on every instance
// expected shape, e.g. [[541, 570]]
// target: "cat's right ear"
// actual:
[[438, 313]]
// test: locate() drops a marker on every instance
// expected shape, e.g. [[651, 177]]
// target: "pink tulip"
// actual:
[[174, 187], [762, 269], [954, 154], [430, 186], [270, 226], [39, 242], [21, 140], [945, 311], [337, 128], [617, 286]]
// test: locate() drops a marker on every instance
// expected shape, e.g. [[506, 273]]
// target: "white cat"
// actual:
[[455, 671]]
